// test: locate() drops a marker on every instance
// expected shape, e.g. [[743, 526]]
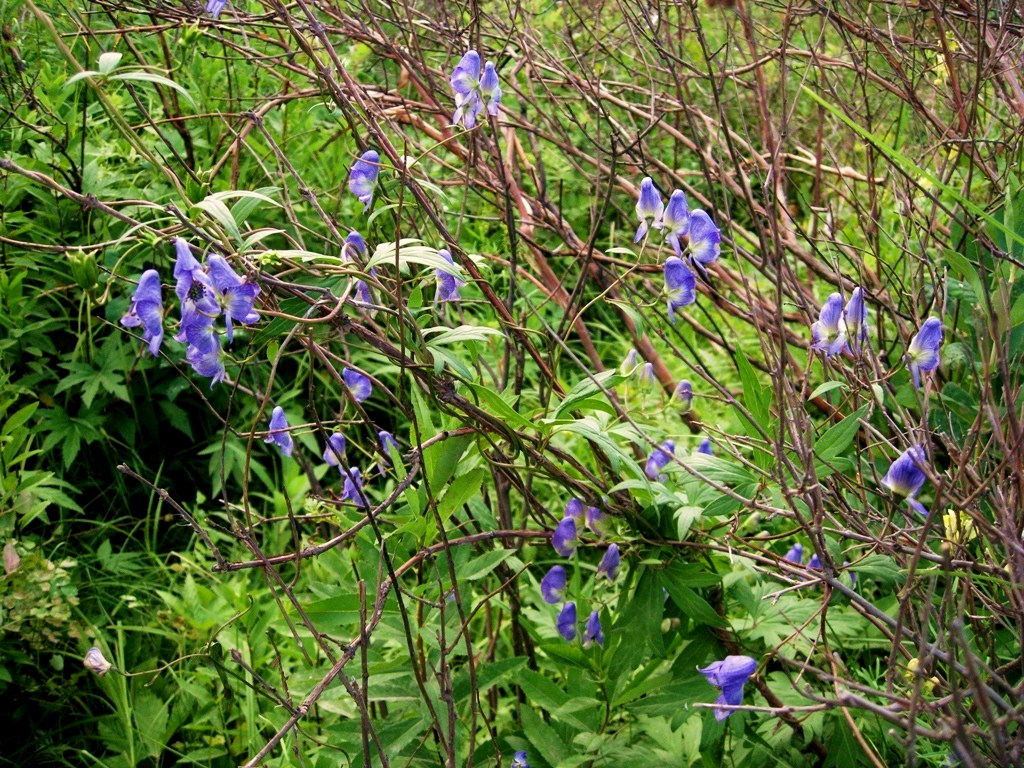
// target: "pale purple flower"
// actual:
[[552, 586], [680, 284], [684, 393], [730, 675], [335, 450], [235, 294], [592, 633], [609, 565], [814, 562], [147, 310], [355, 246], [628, 363], [352, 490], [853, 325], [574, 509], [646, 374], [519, 760], [566, 622], [362, 179], [207, 359], [214, 7], [447, 283], [465, 81], [359, 384], [597, 521], [387, 444], [490, 89], [906, 476], [648, 208], [923, 352], [795, 554], [825, 333], [676, 221], [95, 662], [564, 538], [278, 433], [658, 459], [705, 238]]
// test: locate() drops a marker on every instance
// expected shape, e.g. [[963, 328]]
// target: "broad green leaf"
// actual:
[[828, 386], [221, 214], [495, 404], [838, 439]]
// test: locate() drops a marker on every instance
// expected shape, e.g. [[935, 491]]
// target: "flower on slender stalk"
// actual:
[[676, 221], [447, 283], [684, 393], [609, 565], [214, 7], [95, 662], [648, 208], [705, 447], [519, 760], [854, 324], [680, 284], [658, 459], [354, 248], [567, 621], [235, 294], [335, 450], [795, 554], [362, 179], [574, 509], [359, 384], [923, 352], [564, 538], [597, 521], [552, 586], [490, 89], [278, 433], [825, 333], [705, 239], [730, 675], [147, 310], [592, 633], [352, 490], [906, 476]]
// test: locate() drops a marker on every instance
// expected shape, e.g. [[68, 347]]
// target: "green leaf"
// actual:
[[838, 438], [462, 489], [587, 389], [496, 405], [828, 386], [220, 213], [543, 737], [149, 77], [108, 61]]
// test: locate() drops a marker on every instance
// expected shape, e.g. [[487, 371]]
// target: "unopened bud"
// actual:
[[95, 662]]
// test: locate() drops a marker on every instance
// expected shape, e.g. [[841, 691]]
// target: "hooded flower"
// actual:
[[923, 352], [95, 662], [199, 305], [705, 447], [359, 384], [906, 476], [628, 364], [387, 444], [490, 89], [552, 586], [564, 538], [567, 621], [609, 565], [853, 326], [465, 82], [705, 238], [730, 675], [235, 295], [592, 633], [597, 521], [676, 221], [814, 562], [648, 208], [680, 284], [214, 7], [447, 283], [355, 248], [519, 760], [335, 450], [574, 509], [279, 431], [684, 393], [362, 179], [658, 459], [646, 374], [206, 358], [147, 310], [825, 334], [353, 488], [795, 554]]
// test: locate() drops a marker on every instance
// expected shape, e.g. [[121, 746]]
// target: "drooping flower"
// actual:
[[206, 358], [354, 248], [278, 432], [854, 324], [147, 310], [730, 675], [490, 89], [814, 562], [95, 662], [335, 450], [597, 521], [658, 459], [906, 476], [566, 622], [592, 633], [574, 509], [676, 221], [447, 283], [825, 333], [680, 284], [519, 760], [564, 538], [923, 352], [362, 179], [387, 444], [648, 208], [352, 490], [552, 586], [705, 238], [705, 447], [235, 294], [465, 82], [795, 554], [609, 565], [684, 393], [214, 7], [195, 291], [359, 384]]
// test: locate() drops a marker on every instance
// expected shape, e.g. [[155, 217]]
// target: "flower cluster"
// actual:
[[474, 90], [838, 328]]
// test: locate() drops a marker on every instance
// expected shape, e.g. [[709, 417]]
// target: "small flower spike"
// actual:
[[519, 760], [609, 565], [795, 554], [564, 538], [658, 460], [567, 621], [447, 283], [335, 450], [362, 179], [278, 433], [705, 239], [680, 284], [923, 353], [854, 323], [825, 334], [648, 208], [676, 221], [730, 675], [95, 662], [147, 310], [705, 447], [552, 586], [906, 476], [684, 393], [592, 633], [359, 384]]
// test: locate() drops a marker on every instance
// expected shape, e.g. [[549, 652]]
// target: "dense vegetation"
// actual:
[[341, 407]]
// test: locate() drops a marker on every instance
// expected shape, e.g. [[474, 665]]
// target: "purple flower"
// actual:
[[465, 82], [825, 334], [564, 537], [923, 353], [648, 208], [362, 179], [574, 509], [206, 358], [680, 284], [214, 7], [447, 283], [705, 447], [353, 488], [854, 324], [684, 393], [359, 384], [552, 586], [597, 521], [335, 450], [705, 238], [519, 760], [730, 675], [814, 562], [609, 565], [490, 90], [795, 554], [592, 633], [387, 444], [194, 290], [676, 221], [235, 294], [658, 459], [95, 662], [567, 621], [906, 476], [147, 310], [628, 364], [355, 246], [646, 374], [279, 431]]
